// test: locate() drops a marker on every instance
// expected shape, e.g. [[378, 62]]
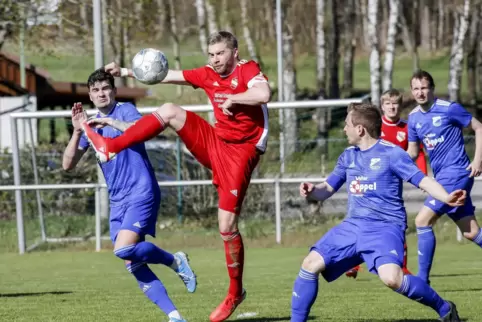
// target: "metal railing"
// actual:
[[18, 187]]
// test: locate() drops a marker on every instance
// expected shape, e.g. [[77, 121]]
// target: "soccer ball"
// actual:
[[150, 66]]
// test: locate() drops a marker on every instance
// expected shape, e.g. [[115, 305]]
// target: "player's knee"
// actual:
[[126, 253], [168, 111], [471, 235], [313, 263], [425, 220], [391, 277]]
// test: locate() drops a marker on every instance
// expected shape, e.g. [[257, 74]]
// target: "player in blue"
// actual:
[[374, 228], [133, 193], [438, 124]]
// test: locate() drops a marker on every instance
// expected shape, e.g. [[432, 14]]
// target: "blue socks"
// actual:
[[304, 295], [478, 239], [415, 289], [426, 251], [145, 252], [152, 287]]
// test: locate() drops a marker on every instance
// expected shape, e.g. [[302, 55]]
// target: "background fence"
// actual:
[[65, 207]]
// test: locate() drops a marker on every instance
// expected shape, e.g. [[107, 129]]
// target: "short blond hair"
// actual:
[[391, 93], [223, 36]]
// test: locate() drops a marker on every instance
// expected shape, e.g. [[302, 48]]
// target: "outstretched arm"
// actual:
[[259, 93], [435, 189], [172, 77]]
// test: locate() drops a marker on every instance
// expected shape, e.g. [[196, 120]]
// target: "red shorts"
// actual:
[[231, 163]]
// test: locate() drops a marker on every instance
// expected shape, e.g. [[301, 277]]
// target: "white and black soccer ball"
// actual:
[[150, 66]]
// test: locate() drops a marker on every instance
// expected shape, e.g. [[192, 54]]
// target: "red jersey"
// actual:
[[397, 133], [248, 124]]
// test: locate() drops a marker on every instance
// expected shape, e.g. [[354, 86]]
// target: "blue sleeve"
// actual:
[[83, 143], [412, 132], [404, 168], [458, 115], [338, 177], [130, 113]]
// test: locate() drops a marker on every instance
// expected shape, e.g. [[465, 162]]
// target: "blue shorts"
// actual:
[[137, 216], [355, 241], [451, 184]]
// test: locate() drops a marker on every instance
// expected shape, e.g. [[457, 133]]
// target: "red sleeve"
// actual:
[[252, 74], [421, 162], [196, 77]]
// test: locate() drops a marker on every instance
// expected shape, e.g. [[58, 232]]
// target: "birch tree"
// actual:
[[390, 48], [457, 52], [246, 32], [472, 47], [176, 47], [320, 47], [374, 51], [350, 44], [201, 20]]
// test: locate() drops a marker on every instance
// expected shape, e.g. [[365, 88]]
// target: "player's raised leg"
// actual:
[[416, 289], [424, 222], [168, 115]]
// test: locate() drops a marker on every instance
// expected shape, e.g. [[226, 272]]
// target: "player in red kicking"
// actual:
[[395, 130], [238, 91]]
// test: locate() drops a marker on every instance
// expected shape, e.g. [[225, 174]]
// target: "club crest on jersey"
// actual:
[[401, 136], [437, 120], [375, 163], [234, 83]]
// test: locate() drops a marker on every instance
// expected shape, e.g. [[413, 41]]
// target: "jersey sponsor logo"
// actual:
[[401, 136], [358, 188], [431, 143], [418, 126], [437, 120]]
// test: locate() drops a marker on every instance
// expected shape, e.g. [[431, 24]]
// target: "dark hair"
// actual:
[[100, 75], [422, 74], [368, 116], [223, 36]]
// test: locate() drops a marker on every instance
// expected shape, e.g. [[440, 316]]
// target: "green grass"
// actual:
[[88, 286]]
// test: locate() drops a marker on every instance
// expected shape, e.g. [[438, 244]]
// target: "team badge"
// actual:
[[437, 120], [375, 163], [401, 136], [234, 83]]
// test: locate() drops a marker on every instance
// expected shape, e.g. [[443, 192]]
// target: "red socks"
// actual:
[[234, 251], [145, 128]]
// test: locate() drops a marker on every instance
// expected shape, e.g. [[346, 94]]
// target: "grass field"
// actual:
[[87, 286]]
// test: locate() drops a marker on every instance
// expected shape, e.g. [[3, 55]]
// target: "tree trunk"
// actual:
[[175, 40], [350, 45], [320, 47], [390, 49], [335, 51], [409, 40], [375, 53], [472, 53], [246, 32], [289, 92], [457, 52], [161, 18], [479, 53], [201, 20], [225, 18], [441, 24], [211, 17], [425, 24]]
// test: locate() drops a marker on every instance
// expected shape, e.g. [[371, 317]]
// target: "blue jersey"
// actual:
[[374, 181], [440, 131], [129, 176]]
